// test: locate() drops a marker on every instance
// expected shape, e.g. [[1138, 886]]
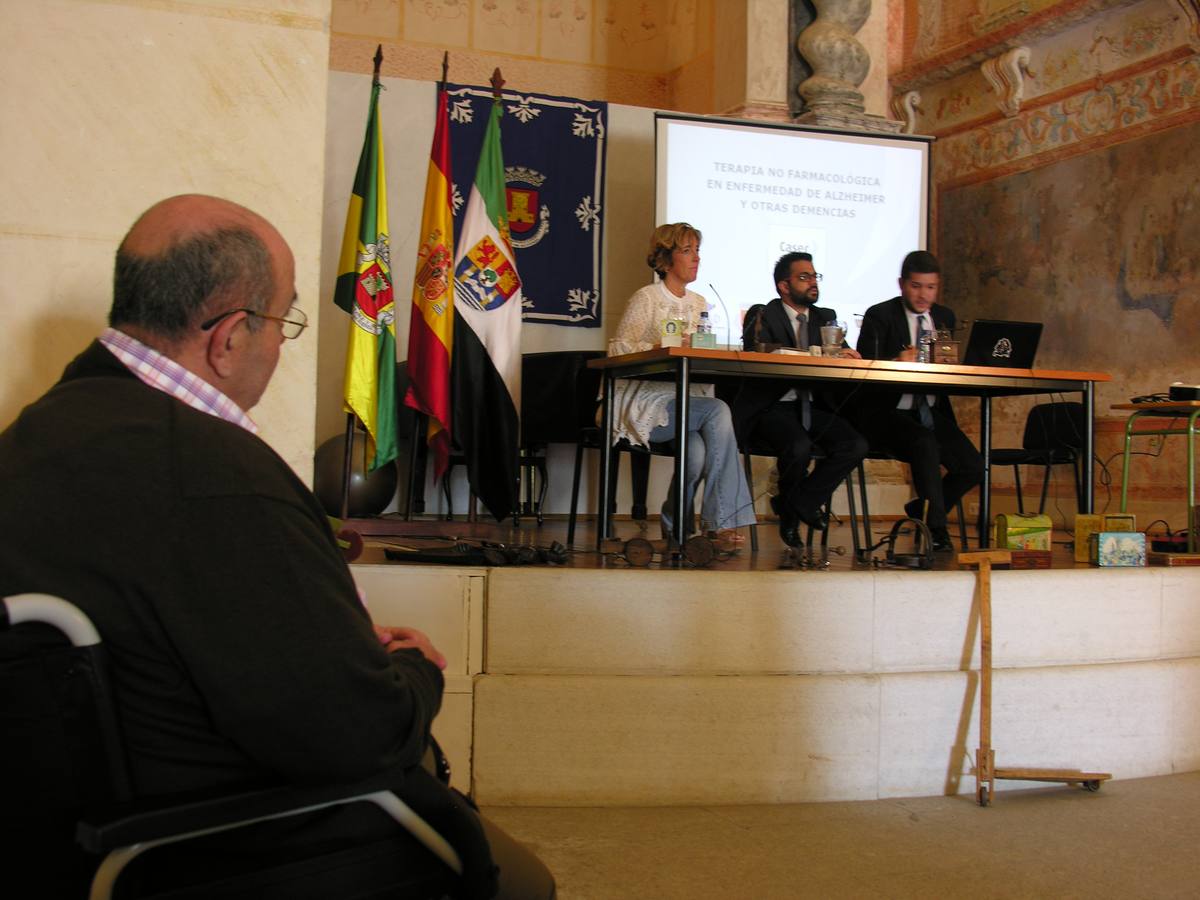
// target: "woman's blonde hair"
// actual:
[[665, 241]]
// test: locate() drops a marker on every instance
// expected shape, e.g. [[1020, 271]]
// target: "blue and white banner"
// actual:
[[554, 182]]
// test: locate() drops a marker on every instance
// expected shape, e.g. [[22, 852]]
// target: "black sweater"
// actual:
[[241, 654]]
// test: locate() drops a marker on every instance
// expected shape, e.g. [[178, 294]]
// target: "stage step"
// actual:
[[646, 687]]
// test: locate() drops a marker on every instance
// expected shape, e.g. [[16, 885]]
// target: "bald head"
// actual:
[[189, 258], [177, 219]]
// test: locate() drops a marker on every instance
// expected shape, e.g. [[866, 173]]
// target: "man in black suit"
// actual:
[[788, 417], [917, 428]]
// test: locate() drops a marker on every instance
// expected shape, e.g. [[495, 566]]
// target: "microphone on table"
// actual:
[[724, 309], [874, 332]]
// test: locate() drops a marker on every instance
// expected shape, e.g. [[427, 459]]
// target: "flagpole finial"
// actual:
[[497, 83], [378, 61], [445, 68]]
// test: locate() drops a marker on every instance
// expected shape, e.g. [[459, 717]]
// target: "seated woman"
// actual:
[[644, 411]]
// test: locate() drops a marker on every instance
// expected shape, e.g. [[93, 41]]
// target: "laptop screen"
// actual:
[[994, 342]]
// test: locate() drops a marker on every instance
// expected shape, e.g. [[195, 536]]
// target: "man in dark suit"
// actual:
[[917, 428], [788, 417]]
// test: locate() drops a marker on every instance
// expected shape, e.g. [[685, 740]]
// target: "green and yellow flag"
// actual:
[[364, 290]]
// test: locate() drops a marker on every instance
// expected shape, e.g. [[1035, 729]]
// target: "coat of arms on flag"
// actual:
[[364, 290], [554, 152], [485, 277]]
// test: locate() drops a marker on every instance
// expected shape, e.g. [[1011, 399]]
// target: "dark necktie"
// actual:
[[804, 394], [924, 413]]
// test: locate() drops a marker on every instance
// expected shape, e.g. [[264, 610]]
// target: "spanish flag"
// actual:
[[431, 333], [364, 290]]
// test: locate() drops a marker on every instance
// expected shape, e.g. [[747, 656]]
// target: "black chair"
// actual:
[[639, 461], [556, 395], [554, 402], [1054, 436], [588, 437], [752, 449], [67, 778]]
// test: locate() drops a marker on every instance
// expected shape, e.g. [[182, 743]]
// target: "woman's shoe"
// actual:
[[726, 538]]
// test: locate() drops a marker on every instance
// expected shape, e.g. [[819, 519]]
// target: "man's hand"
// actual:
[[409, 639], [849, 353], [908, 354]]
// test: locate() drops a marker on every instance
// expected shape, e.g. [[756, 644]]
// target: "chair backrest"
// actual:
[[1055, 426], [558, 395], [61, 750]]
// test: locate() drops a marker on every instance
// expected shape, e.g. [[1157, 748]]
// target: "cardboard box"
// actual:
[[1118, 548], [1022, 532]]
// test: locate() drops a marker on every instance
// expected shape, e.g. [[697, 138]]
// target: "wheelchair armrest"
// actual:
[[101, 834]]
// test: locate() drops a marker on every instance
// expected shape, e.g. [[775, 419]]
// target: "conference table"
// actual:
[[684, 364]]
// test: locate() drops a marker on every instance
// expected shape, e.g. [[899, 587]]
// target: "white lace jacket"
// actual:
[[640, 406]]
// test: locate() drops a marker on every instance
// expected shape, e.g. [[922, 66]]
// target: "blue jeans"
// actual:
[[712, 454]]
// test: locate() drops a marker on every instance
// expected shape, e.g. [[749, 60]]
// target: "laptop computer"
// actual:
[[1009, 345]]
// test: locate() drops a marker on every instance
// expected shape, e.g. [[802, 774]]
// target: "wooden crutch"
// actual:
[[986, 773]]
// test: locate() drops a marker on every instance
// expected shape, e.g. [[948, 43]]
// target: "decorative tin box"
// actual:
[[1022, 532], [1118, 548]]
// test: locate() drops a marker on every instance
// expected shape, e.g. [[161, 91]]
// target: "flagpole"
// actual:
[[347, 465], [419, 427], [351, 419], [497, 86]]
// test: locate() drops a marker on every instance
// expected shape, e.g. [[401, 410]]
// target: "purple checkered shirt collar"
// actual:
[[166, 375]]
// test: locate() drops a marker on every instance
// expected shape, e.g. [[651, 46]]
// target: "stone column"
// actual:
[[840, 64]]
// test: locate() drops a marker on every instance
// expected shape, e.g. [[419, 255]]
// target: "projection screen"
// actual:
[[858, 203]]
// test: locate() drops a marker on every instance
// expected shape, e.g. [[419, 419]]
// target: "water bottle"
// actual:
[[925, 347], [704, 338]]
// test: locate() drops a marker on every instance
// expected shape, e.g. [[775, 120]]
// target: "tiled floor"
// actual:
[[1135, 838]]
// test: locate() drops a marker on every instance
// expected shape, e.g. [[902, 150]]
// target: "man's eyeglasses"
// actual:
[[806, 277], [293, 324]]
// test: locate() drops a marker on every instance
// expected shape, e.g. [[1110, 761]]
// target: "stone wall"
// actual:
[[645, 54], [724, 57], [1066, 191], [110, 107]]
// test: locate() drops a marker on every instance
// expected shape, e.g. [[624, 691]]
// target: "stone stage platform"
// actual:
[[599, 684]]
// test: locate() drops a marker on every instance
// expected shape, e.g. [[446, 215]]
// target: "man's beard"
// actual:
[[804, 299]]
